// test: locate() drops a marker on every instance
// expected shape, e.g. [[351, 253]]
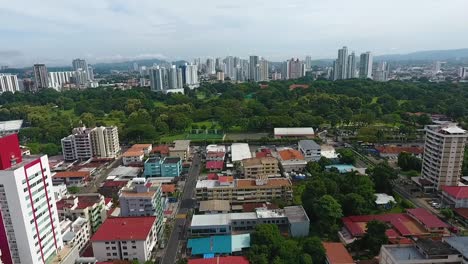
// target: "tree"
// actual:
[[347, 156], [382, 175], [73, 189], [374, 238], [327, 212], [354, 204], [88, 119], [313, 247], [447, 213], [407, 162]]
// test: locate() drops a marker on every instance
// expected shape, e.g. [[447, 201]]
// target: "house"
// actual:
[[455, 196], [422, 252], [384, 201], [163, 167], [71, 178], [110, 189], [160, 151], [291, 219], [181, 149], [125, 238], [292, 160], [134, 156], [294, 132], [336, 253], [215, 156], [310, 150], [393, 151], [214, 166]]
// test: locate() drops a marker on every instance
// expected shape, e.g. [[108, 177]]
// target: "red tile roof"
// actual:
[[84, 201], [426, 218], [114, 184], [168, 188], [215, 154], [215, 165], [220, 260], [124, 228], [463, 212], [72, 174], [212, 176], [162, 149], [457, 192], [291, 154], [337, 253], [225, 179], [398, 150]]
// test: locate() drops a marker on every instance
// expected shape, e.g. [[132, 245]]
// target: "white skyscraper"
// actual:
[[264, 70], [210, 66], [365, 65], [229, 67], [173, 77], [254, 68], [157, 76], [463, 72], [58, 79], [308, 63], [351, 66], [8, 83], [341, 64], [191, 75], [30, 228], [381, 73]]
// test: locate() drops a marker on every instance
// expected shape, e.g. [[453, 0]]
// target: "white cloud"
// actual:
[[57, 30]]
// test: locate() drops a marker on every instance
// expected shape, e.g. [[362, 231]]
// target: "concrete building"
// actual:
[[125, 238], [340, 65], [293, 132], [455, 196], [135, 154], [30, 228], [365, 65], [254, 68], [443, 155], [77, 146], [240, 151], [41, 80], [460, 243], [240, 191], [10, 127], [105, 142], [463, 73], [254, 168], [76, 233], [292, 219], [90, 206], [181, 149], [424, 251], [214, 207], [163, 167], [124, 173], [310, 150], [295, 68], [9, 83], [158, 79], [58, 79], [351, 66], [292, 160], [71, 178]]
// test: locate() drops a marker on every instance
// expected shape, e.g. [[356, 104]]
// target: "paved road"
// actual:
[[179, 230], [95, 183]]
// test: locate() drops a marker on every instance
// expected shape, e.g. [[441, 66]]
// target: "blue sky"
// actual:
[[56, 31]]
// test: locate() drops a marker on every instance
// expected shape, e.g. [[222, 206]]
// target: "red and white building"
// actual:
[[455, 196], [125, 238], [29, 223]]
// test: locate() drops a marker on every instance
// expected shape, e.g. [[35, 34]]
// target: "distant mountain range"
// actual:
[[129, 64], [429, 55]]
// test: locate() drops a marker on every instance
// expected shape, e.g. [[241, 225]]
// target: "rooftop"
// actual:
[[337, 253], [435, 248], [168, 188], [220, 260], [129, 228], [215, 148], [309, 144], [114, 183], [180, 145], [383, 198], [290, 154], [272, 182], [240, 151], [426, 218], [132, 193], [219, 244], [171, 160], [123, 171], [214, 205], [296, 214], [294, 131], [459, 243], [162, 149], [212, 154], [404, 252], [258, 161], [457, 192], [71, 174], [398, 150], [136, 150], [11, 125], [215, 164], [84, 201]]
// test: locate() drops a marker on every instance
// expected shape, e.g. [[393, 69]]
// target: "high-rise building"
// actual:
[[105, 142], [381, 73], [90, 73], [463, 72], [351, 66], [173, 77], [41, 77], [443, 155], [219, 64], [210, 66], [8, 83], [308, 63], [157, 79], [77, 146], [436, 67], [190, 72], [264, 70], [29, 223], [365, 65], [254, 68], [229, 67], [79, 64], [81, 78], [295, 69], [340, 65], [58, 79]]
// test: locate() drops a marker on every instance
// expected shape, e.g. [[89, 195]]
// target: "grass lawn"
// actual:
[[159, 104], [207, 123], [205, 136], [200, 95], [170, 138]]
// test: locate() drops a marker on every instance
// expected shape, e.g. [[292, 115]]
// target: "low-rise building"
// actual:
[[255, 167], [240, 151], [241, 191], [160, 151], [214, 207], [336, 253], [10, 127], [216, 245], [292, 160], [110, 189], [76, 233], [214, 166], [292, 219], [460, 243], [310, 150], [123, 173], [455, 196], [384, 201], [215, 156], [125, 238], [134, 156], [180, 149], [425, 251], [220, 260], [294, 132], [163, 167], [88, 206], [71, 178], [215, 148]]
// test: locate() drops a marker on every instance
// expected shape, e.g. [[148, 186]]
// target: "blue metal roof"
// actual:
[[219, 244]]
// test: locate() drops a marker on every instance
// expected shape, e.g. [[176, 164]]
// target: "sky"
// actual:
[[56, 31]]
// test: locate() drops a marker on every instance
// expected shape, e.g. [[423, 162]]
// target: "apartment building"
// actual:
[[310, 150], [163, 167], [125, 238], [135, 155], [292, 160], [443, 155], [181, 149], [241, 191], [76, 233], [29, 222], [85, 143], [265, 166], [91, 207]]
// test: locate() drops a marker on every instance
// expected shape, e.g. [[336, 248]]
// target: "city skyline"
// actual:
[[56, 32]]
